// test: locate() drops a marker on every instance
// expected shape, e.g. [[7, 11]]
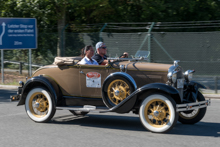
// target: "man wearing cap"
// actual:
[[100, 56], [125, 55]]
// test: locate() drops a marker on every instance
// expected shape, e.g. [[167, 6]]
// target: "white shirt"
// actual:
[[86, 60]]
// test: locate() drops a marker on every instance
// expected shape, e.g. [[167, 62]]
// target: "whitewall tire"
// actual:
[[158, 113], [39, 105]]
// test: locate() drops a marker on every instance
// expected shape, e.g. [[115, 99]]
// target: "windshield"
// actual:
[[141, 53]]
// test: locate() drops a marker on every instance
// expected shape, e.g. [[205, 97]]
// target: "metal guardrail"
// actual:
[[22, 63], [14, 62]]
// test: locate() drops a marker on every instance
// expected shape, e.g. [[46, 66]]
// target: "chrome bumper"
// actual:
[[15, 97], [192, 106]]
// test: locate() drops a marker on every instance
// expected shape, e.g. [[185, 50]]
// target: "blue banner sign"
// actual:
[[18, 33]]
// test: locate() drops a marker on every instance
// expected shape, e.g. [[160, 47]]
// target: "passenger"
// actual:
[[100, 56], [88, 52], [82, 53]]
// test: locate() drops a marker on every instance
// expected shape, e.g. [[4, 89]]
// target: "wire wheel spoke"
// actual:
[[156, 122], [151, 114], [154, 107]]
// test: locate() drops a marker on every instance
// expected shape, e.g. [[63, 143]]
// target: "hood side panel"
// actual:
[[146, 77]]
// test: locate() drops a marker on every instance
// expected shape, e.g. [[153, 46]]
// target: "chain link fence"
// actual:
[[195, 50]]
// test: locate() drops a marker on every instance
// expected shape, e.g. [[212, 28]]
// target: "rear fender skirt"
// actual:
[[37, 81], [129, 103]]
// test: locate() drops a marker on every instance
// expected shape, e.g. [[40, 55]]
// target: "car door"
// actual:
[[66, 76], [91, 80], [68, 79]]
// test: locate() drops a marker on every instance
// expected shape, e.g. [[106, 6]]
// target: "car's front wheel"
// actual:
[[39, 105], [158, 113]]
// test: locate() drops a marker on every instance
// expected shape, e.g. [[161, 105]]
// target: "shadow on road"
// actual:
[[102, 121], [134, 124], [200, 129]]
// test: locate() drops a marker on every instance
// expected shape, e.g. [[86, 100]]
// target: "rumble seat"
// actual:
[[66, 60]]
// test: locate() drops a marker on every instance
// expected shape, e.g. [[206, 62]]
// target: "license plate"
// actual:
[[180, 83]]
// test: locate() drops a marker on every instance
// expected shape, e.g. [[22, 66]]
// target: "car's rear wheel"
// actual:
[[158, 113], [78, 113], [118, 88], [39, 105], [193, 116]]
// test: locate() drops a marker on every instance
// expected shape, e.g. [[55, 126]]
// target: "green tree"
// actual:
[[53, 15], [47, 12]]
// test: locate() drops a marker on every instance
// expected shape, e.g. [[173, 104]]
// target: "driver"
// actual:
[[125, 55], [100, 56]]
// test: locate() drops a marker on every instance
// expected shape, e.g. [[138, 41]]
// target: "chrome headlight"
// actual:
[[169, 75], [189, 75], [172, 76], [122, 68], [21, 84]]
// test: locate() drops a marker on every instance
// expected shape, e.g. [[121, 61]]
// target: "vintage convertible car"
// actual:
[[161, 94]]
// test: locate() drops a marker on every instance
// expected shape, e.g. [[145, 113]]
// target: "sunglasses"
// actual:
[[103, 47]]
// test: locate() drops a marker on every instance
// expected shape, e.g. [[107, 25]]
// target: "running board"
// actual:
[[85, 108]]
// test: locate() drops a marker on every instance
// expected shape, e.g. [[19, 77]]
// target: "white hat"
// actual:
[[99, 44]]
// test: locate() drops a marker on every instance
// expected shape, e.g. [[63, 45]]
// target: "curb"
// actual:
[[9, 86], [212, 96]]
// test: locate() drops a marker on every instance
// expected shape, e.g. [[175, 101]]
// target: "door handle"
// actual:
[[81, 72]]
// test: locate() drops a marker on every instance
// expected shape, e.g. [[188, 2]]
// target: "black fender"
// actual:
[[129, 103], [37, 81], [191, 90], [196, 83]]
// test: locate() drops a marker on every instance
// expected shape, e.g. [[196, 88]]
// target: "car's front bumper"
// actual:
[[18, 95], [15, 97], [192, 106]]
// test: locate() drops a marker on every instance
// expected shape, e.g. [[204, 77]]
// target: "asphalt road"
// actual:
[[98, 130]]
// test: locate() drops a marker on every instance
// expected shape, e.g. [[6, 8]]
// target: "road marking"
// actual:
[[12, 114]]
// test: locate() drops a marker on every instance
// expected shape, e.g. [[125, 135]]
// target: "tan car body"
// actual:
[[72, 78], [122, 86]]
